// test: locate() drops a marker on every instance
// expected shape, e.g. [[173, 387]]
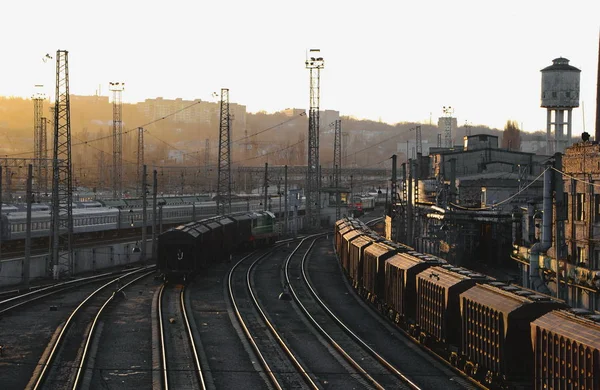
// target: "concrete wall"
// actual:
[[84, 260]]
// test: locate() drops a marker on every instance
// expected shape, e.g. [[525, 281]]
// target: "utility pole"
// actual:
[[29, 196], [2, 228], [206, 162], [140, 160], [314, 64], [62, 183], [182, 180], [285, 190], [117, 171], [144, 215], [337, 165], [154, 193], [224, 173], [279, 193], [266, 186], [409, 205]]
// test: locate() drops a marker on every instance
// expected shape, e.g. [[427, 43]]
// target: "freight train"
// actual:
[[501, 335], [186, 250]]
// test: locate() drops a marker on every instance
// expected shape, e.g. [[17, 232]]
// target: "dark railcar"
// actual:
[[215, 243], [178, 250], [400, 285], [244, 228], [228, 243], [567, 351], [496, 336]]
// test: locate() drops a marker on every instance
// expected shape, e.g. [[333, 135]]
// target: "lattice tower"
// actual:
[[448, 126], [43, 177], [224, 172], [62, 183], [314, 65], [38, 106], [419, 139], [140, 160], [337, 166], [117, 171]]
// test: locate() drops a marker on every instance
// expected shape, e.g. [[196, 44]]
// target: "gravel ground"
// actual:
[[124, 360], [331, 285], [25, 333], [229, 357], [326, 366]]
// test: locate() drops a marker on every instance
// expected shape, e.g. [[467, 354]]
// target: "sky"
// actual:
[[394, 61]]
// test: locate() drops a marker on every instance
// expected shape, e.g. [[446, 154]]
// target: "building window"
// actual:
[[566, 201], [579, 211], [580, 256], [597, 208], [553, 94]]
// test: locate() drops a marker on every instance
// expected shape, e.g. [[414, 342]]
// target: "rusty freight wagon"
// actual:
[[346, 240], [438, 310], [496, 338], [567, 351], [400, 285]]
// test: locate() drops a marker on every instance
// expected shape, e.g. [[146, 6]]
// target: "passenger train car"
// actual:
[[95, 217], [503, 336], [187, 249]]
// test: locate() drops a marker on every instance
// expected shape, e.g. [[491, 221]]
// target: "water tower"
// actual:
[[560, 94]]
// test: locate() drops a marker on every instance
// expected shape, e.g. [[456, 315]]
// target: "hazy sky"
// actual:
[[390, 60]]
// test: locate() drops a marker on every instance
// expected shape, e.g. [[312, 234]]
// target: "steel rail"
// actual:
[[92, 331], [57, 343], [331, 341], [370, 350], [255, 347], [309, 381], [192, 341]]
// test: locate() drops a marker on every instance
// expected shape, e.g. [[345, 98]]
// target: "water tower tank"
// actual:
[[560, 85]]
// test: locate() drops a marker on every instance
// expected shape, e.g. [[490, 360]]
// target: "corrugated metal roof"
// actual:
[[378, 249], [404, 261], [494, 298], [571, 326], [442, 277]]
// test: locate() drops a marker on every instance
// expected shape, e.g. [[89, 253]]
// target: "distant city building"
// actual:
[[291, 112], [89, 99], [198, 112]]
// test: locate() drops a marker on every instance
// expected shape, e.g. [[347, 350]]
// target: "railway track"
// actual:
[[179, 359], [64, 360], [17, 298], [278, 361], [373, 367]]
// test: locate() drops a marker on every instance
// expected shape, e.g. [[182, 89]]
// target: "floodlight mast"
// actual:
[[314, 63]]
